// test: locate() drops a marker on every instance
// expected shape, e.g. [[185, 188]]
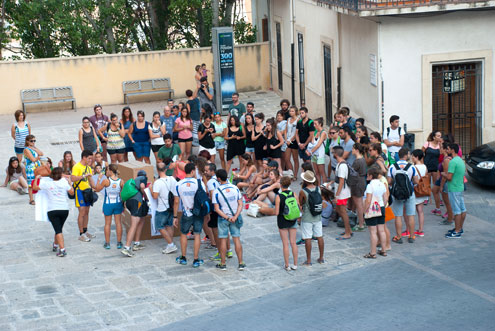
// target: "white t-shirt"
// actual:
[[212, 184], [232, 194], [378, 189], [411, 172], [57, 191], [393, 136], [162, 186], [185, 190], [421, 168], [157, 131], [342, 172]]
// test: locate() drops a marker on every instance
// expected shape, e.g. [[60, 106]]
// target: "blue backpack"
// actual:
[[202, 204]]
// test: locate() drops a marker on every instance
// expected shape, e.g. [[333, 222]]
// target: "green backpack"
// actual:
[[129, 190], [291, 209]]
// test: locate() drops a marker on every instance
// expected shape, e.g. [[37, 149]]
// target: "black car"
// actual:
[[480, 164]]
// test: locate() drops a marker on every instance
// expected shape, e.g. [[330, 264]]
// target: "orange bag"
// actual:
[[389, 214]]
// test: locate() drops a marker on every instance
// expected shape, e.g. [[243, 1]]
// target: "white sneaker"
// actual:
[[84, 238], [293, 267], [138, 247], [127, 252], [89, 235], [170, 249], [20, 190]]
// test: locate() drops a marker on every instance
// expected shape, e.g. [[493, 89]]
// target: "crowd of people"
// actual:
[[346, 173]]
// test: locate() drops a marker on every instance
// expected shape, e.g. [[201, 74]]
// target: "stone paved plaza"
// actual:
[[93, 288]]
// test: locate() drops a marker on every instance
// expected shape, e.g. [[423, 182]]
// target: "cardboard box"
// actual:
[[128, 170]]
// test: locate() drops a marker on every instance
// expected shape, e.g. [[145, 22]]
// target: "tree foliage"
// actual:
[[52, 28]]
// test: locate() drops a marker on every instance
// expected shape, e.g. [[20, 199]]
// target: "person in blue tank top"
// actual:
[[112, 204], [127, 120], [140, 137]]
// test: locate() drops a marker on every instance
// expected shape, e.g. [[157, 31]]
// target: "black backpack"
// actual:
[[202, 204], [314, 201], [352, 178], [402, 188]]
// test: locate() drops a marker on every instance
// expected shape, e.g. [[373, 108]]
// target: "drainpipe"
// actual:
[[293, 77], [269, 7]]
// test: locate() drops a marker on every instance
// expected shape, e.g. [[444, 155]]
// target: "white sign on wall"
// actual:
[[373, 70]]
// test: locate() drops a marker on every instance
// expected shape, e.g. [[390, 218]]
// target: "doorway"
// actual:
[[327, 72], [456, 104]]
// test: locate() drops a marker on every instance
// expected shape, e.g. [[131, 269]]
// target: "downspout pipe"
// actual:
[[293, 76]]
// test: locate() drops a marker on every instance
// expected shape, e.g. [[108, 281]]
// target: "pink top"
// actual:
[[429, 144], [184, 134]]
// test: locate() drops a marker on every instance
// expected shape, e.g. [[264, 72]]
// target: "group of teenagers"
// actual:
[[369, 174]]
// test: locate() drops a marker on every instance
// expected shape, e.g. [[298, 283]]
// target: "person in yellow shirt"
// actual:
[[82, 179]]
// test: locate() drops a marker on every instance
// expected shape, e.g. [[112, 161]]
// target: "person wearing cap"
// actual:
[[311, 226], [138, 208]]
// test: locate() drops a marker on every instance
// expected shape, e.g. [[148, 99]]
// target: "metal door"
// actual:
[[457, 102], [279, 56], [327, 70]]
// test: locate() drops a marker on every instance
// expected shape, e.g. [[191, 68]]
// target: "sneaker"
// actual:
[[441, 203], [89, 235], [84, 238], [230, 254], [215, 257], [357, 228], [169, 249], [241, 266], [446, 222], [405, 233], [445, 216], [61, 253], [453, 230], [436, 212], [210, 246], [106, 245], [411, 240], [127, 252], [222, 267], [54, 248], [453, 235], [138, 247], [181, 260], [190, 236], [287, 268], [425, 202], [205, 240], [197, 263], [119, 245], [20, 190], [419, 233], [293, 267], [300, 242]]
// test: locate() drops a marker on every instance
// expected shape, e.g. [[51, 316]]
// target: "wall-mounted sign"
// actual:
[[454, 81], [223, 57]]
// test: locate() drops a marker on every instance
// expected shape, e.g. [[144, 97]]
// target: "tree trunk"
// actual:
[[215, 13], [227, 19], [158, 13]]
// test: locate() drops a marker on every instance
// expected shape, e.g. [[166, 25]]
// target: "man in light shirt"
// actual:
[[393, 137]]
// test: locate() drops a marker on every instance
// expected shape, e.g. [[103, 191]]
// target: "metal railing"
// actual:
[[357, 5]]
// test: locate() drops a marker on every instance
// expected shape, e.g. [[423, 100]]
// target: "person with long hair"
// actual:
[[282, 128], [19, 131], [88, 139], [67, 163], [235, 137], [57, 188], [259, 139], [184, 126], [274, 142], [114, 134], [375, 138], [431, 149], [156, 130], [244, 177], [376, 154], [249, 127], [332, 141], [99, 120], [316, 149], [290, 138], [112, 203], [358, 189], [206, 130], [127, 120], [33, 156], [219, 137], [16, 176], [417, 157], [270, 189], [140, 137], [361, 131]]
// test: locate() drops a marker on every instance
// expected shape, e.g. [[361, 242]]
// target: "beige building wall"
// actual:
[[98, 79]]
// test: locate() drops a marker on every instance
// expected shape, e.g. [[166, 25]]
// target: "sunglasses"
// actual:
[[216, 113], [97, 105], [33, 141], [333, 132]]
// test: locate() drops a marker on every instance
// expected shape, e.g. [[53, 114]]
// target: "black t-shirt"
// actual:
[[207, 141], [304, 130], [282, 223], [286, 114]]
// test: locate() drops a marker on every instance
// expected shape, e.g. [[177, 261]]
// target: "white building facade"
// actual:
[[430, 62]]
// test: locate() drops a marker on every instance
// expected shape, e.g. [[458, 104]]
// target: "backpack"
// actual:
[[291, 209], [128, 190], [352, 176], [402, 188], [202, 204], [423, 189], [171, 199], [314, 201]]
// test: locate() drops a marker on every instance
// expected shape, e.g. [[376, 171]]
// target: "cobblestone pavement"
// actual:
[[94, 288]]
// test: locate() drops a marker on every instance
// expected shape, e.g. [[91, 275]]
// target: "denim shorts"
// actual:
[[220, 144], [19, 150], [163, 219], [303, 155], [409, 204], [110, 209], [142, 149], [457, 202], [224, 227], [249, 149], [187, 221]]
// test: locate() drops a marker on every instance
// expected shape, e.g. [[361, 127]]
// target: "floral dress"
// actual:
[[30, 166]]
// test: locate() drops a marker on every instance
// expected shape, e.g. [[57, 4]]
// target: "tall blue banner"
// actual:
[[224, 68]]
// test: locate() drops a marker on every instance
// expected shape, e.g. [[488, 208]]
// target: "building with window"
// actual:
[[428, 61]]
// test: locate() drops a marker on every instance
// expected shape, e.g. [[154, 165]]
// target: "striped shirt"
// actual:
[[20, 135]]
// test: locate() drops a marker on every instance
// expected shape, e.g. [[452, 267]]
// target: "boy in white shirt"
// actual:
[[393, 137]]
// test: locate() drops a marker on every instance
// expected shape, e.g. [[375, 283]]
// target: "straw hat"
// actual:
[[308, 176]]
